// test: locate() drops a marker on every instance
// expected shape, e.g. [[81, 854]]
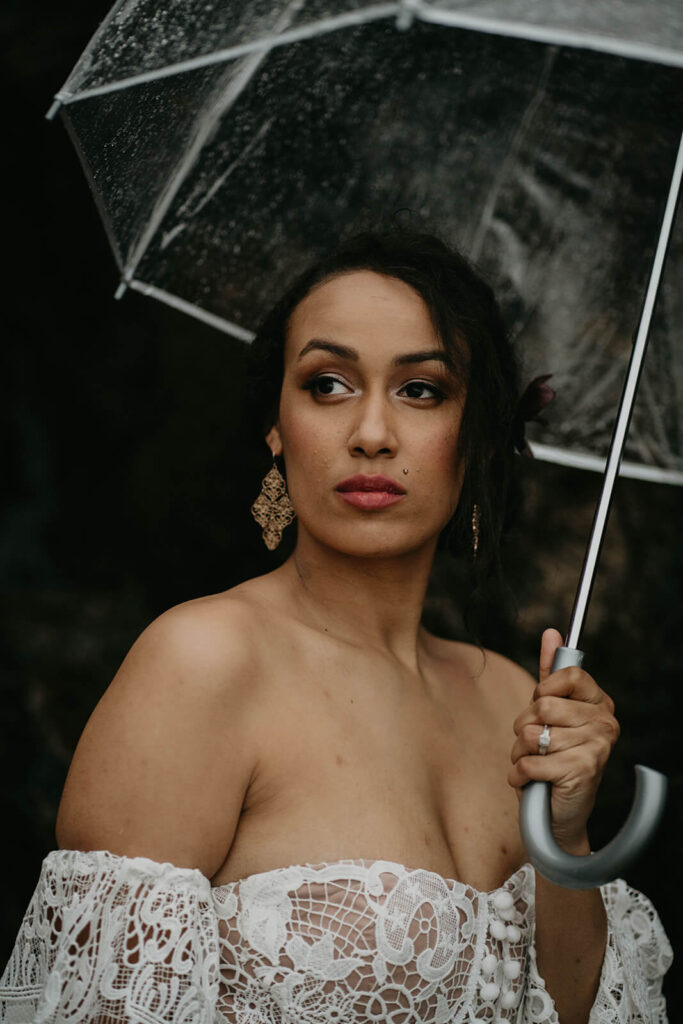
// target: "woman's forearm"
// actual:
[[571, 934]]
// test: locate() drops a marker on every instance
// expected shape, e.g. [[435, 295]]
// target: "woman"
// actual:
[[294, 803]]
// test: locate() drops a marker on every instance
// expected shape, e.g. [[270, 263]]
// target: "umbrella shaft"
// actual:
[[624, 415]]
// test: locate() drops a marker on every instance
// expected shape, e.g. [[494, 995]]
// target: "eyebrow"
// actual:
[[345, 352]]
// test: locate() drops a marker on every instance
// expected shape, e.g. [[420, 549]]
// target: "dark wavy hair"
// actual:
[[470, 326]]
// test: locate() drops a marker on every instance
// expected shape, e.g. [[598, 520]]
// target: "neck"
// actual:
[[366, 601]]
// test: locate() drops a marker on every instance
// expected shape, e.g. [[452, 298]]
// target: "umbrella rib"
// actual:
[[212, 319], [317, 28], [99, 203], [85, 56], [651, 52], [596, 463], [204, 129]]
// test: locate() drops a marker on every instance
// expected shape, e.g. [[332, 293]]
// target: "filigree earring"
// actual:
[[475, 530], [272, 509]]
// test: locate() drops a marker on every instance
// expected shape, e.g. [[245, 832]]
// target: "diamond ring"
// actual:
[[544, 740]]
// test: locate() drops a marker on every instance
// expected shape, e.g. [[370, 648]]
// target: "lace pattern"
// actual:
[[369, 941], [110, 939], [638, 955]]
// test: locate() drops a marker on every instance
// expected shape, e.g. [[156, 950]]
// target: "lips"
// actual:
[[370, 493], [377, 482]]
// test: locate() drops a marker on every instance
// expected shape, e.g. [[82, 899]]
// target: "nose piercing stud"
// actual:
[[405, 472]]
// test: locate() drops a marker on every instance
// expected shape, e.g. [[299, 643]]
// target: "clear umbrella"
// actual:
[[226, 143]]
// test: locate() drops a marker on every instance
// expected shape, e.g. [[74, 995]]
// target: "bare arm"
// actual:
[[164, 762], [571, 933]]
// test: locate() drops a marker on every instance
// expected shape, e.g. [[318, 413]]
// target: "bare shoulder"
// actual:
[[215, 635], [507, 684], [503, 672], [164, 761]]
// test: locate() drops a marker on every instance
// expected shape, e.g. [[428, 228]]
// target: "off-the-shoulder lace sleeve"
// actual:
[[637, 956], [109, 939]]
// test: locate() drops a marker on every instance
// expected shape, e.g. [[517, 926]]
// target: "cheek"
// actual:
[[308, 444], [436, 467], [445, 452], [438, 455]]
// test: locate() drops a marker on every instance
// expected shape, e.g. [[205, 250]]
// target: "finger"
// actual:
[[572, 682], [552, 710], [538, 769], [528, 741], [565, 768], [550, 641]]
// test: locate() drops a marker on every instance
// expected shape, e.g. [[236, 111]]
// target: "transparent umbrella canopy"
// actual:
[[226, 144]]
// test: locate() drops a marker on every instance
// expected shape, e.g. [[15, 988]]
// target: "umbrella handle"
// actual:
[[598, 868]]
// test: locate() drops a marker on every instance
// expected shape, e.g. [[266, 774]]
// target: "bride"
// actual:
[[295, 803]]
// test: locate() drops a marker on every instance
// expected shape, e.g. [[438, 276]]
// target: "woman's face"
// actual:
[[367, 393]]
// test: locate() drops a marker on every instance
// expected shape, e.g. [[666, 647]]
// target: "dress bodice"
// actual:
[[371, 940], [128, 939]]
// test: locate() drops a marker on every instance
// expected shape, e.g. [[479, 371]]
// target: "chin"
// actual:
[[374, 540]]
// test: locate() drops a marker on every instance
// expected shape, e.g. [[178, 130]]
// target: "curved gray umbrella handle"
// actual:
[[594, 869]]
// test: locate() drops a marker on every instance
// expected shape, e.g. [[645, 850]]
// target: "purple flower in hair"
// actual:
[[532, 403]]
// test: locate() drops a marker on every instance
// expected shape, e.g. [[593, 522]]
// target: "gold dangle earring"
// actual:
[[272, 509], [475, 530]]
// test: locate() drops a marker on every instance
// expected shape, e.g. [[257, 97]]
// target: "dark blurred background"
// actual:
[[127, 483]]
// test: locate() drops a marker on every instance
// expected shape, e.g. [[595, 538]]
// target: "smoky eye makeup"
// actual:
[[428, 388], [320, 384], [440, 382], [426, 385], [331, 385]]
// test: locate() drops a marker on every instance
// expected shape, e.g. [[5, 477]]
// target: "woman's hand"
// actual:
[[583, 731]]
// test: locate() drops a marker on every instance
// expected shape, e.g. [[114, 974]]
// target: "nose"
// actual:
[[373, 429]]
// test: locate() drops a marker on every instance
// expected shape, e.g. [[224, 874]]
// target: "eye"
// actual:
[[417, 388], [325, 384]]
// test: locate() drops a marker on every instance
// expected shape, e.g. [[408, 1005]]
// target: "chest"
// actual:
[[359, 761]]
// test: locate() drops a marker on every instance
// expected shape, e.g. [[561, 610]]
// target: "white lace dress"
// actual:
[[109, 939]]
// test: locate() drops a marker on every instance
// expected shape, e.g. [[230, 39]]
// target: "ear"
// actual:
[[273, 440]]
